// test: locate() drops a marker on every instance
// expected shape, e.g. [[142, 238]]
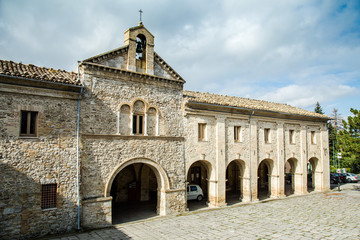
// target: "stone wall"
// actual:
[[107, 147], [28, 162]]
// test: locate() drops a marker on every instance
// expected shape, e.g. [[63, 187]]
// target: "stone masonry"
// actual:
[[124, 115]]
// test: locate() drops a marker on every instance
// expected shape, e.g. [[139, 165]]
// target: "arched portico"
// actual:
[[265, 188], [138, 180], [313, 175], [292, 181], [200, 172], [236, 186]]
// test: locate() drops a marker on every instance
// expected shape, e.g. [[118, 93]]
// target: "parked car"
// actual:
[[341, 178], [194, 191], [333, 178], [351, 177]]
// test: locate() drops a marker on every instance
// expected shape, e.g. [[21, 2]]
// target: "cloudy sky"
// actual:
[[296, 52]]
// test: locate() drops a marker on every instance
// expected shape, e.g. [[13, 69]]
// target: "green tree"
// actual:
[[318, 108], [349, 141]]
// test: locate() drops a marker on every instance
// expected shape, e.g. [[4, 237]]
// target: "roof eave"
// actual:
[[30, 82], [260, 110]]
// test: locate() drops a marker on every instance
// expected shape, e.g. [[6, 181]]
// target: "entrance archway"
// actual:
[[199, 173], [264, 179], [234, 181], [138, 190], [289, 181], [311, 170]]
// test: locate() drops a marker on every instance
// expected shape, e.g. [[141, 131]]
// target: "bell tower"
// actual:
[[141, 49]]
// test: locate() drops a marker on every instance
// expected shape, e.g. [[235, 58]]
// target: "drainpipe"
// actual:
[[250, 152], [77, 152]]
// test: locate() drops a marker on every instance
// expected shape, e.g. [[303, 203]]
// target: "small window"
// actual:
[[48, 196], [292, 136], [193, 188], [28, 123], [138, 124], [202, 131], [237, 134], [313, 137], [267, 135]]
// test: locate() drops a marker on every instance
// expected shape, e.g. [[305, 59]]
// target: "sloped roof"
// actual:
[[106, 55], [247, 103], [109, 54], [31, 71]]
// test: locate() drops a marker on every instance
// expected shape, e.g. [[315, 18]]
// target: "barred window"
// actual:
[[48, 196], [28, 123]]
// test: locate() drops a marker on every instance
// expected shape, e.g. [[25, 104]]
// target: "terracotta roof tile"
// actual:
[[247, 103], [30, 71]]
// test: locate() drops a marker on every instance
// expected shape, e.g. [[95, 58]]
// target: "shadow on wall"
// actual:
[[21, 214]]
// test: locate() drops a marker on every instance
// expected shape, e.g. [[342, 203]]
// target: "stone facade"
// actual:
[[123, 129]]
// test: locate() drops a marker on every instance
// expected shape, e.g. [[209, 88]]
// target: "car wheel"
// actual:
[[348, 180], [200, 197]]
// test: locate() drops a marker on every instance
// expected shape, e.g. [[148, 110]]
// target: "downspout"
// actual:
[[77, 152], [250, 152]]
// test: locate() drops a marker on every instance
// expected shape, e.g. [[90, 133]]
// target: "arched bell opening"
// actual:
[[234, 181], [135, 193], [140, 53]]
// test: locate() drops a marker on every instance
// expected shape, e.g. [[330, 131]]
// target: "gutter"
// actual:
[[77, 153], [250, 153]]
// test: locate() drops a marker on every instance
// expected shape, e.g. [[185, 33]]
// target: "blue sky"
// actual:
[[295, 52]]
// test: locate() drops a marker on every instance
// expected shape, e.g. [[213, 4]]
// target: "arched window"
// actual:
[[151, 121], [138, 118], [124, 121]]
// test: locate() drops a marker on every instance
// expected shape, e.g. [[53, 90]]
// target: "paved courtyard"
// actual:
[[331, 215]]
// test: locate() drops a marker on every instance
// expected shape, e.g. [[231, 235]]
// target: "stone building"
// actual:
[[78, 147]]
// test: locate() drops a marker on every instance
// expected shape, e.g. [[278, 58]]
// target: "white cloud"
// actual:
[[300, 50], [306, 95]]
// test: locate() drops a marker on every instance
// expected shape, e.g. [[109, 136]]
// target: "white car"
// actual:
[[194, 191], [351, 177]]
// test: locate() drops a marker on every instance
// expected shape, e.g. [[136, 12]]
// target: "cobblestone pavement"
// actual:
[[331, 215]]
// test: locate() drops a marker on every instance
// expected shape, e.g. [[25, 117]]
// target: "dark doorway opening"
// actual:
[[263, 181], [134, 192], [233, 183], [198, 174]]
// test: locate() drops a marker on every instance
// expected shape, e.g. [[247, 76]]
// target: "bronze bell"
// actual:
[[139, 48]]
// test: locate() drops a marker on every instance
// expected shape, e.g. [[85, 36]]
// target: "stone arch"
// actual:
[[292, 184], [264, 176], [139, 106], [235, 184], [200, 172], [161, 176], [137, 186], [313, 176]]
